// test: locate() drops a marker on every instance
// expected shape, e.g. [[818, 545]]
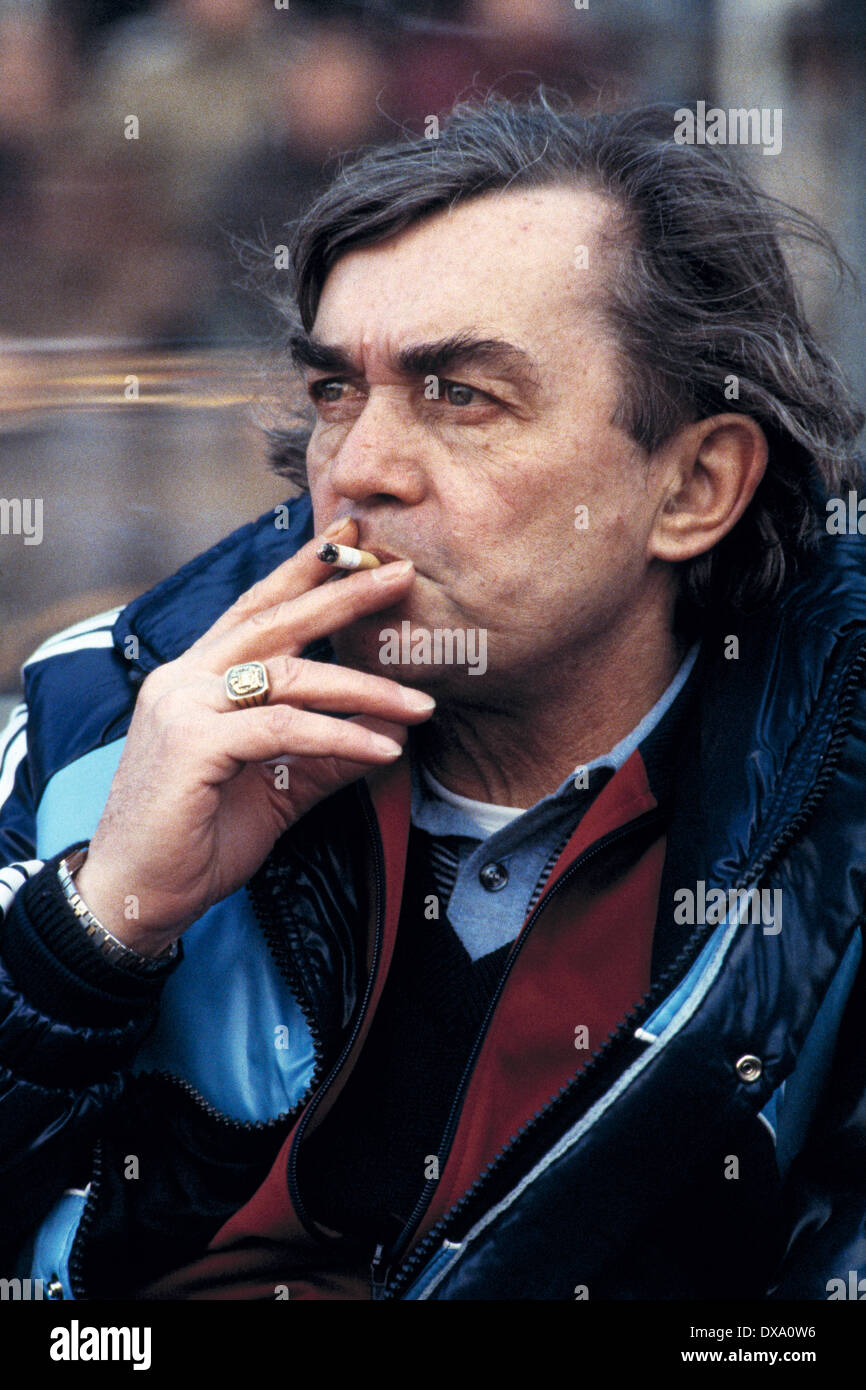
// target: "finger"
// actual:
[[381, 726], [260, 735], [398, 732], [289, 626], [319, 685], [294, 576]]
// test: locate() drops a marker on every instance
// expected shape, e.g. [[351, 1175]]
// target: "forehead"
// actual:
[[521, 262]]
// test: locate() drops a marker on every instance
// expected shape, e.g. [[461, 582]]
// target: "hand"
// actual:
[[195, 807]]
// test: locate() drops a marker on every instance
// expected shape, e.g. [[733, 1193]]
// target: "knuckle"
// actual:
[[287, 672], [173, 707], [279, 720], [268, 617], [154, 686], [175, 721], [248, 603], [331, 768]]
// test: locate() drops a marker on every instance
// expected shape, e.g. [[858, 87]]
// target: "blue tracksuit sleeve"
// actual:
[[17, 812], [69, 1021]]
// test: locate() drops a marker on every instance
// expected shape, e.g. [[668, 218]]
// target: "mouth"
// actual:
[[382, 553]]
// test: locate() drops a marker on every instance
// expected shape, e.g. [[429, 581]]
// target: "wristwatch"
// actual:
[[112, 950]]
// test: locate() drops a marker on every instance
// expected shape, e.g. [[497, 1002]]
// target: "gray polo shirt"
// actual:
[[490, 863]]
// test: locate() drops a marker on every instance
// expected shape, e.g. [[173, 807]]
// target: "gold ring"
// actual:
[[247, 684]]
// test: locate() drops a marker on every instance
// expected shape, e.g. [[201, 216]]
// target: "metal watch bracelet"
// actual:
[[112, 950]]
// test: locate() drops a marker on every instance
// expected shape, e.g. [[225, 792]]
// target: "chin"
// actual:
[[464, 682]]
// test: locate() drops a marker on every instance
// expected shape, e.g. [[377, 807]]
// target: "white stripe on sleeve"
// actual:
[[92, 624], [13, 879], [101, 638], [13, 756]]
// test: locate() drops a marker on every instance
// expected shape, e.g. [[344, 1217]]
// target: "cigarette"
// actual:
[[346, 557]]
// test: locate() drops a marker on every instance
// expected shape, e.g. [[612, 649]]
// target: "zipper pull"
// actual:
[[379, 1274]]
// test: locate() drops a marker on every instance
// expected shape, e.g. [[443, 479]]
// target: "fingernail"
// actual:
[[337, 527], [395, 569], [419, 700], [386, 745]]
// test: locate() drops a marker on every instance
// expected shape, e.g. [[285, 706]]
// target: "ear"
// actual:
[[708, 474]]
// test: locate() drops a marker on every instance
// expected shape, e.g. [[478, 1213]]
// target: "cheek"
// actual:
[[626, 537], [322, 495], [620, 532], [324, 443], [607, 546]]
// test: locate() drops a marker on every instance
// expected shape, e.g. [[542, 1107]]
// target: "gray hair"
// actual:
[[702, 294]]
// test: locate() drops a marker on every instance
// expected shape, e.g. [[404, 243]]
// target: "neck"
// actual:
[[513, 753]]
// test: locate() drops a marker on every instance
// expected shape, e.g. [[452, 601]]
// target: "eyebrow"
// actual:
[[438, 358]]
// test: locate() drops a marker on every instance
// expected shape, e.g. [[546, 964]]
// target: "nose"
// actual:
[[381, 453]]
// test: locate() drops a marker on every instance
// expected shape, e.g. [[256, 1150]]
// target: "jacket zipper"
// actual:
[[397, 1281], [76, 1284], [292, 1164], [388, 1283], [281, 955], [383, 1261]]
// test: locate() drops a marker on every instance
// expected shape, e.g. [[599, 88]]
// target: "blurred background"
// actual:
[[145, 143]]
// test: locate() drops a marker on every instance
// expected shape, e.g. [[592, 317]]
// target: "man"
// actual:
[[549, 989]]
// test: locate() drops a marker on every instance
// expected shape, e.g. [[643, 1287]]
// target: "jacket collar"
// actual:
[[764, 717]]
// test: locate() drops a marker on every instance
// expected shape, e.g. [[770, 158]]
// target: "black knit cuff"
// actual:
[[56, 965]]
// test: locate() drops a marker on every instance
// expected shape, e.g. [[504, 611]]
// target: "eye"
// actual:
[[329, 391], [456, 393]]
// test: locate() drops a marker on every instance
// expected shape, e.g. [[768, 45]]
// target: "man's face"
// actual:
[[473, 464]]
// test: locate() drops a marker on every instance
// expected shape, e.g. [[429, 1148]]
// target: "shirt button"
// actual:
[[493, 877]]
